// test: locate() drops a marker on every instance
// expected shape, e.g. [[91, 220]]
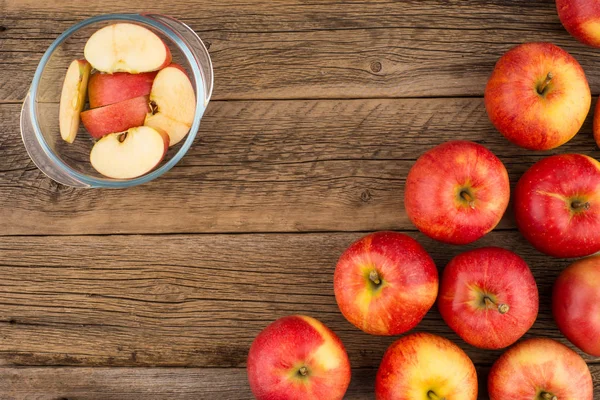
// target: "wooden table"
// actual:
[[319, 110]]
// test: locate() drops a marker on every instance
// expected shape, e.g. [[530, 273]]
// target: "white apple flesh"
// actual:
[[72, 98], [126, 47], [173, 103], [129, 154]]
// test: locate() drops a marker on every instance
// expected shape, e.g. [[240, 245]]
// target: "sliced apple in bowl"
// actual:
[[116, 117], [125, 47], [105, 89], [72, 99], [129, 154], [172, 103]]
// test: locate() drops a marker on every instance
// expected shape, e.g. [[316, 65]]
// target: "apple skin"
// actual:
[[457, 192], [576, 304], [280, 352], [539, 369], [105, 89], [116, 117], [581, 18], [596, 125], [557, 205], [407, 288], [524, 116], [425, 366], [505, 280]]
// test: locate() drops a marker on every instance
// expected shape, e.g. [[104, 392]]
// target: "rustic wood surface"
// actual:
[[319, 110]]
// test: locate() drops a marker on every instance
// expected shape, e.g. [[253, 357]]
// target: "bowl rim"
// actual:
[[200, 104]]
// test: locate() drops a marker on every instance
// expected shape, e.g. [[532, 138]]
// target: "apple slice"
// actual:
[[173, 103], [72, 98], [116, 117], [105, 89], [126, 47], [129, 154]]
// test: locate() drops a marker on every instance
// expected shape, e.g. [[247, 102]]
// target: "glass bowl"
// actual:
[[69, 164]]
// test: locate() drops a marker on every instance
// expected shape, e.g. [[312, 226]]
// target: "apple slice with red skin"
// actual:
[[129, 154], [173, 103], [576, 304], [385, 283], [457, 192], [126, 47], [540, 369], [489, 297], [424, 366], [72, 98], [105, 89], [297, 358], [557, 205], [116, 117], [581, 18]]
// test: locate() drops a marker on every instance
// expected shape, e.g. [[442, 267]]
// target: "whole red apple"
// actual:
[[557, 205], [581, 18], [488, 296], [540, 369], [298, 358], [538, 96], [385, 283], [457, 192], [576, 304], [428, 367]]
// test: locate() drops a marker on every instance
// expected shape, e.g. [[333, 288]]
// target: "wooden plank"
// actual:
[[156, 383], [266, 166], [314, 49], [195, 300]]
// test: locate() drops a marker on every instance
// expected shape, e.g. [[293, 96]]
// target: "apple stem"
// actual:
[[580, 205], [374, 277], [467, 196], [548, 396], [303, 371], [502, 308], [431, 394], [541, 89]]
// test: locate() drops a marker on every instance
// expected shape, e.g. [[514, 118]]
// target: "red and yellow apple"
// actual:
[[173, 103], [129, 154], [457, 192], [126, 47], [425, 367], [72, 99], [489, 297], [538, 96], [581, 18], [298, 358], [576, 304], [385, 283], [540, 369], [105, 89], [557, 205], [116, 117]]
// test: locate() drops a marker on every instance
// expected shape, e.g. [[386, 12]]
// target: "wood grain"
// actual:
[[266, 166], [158, 383], [315, 49], [195, 300], [150, 384]]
